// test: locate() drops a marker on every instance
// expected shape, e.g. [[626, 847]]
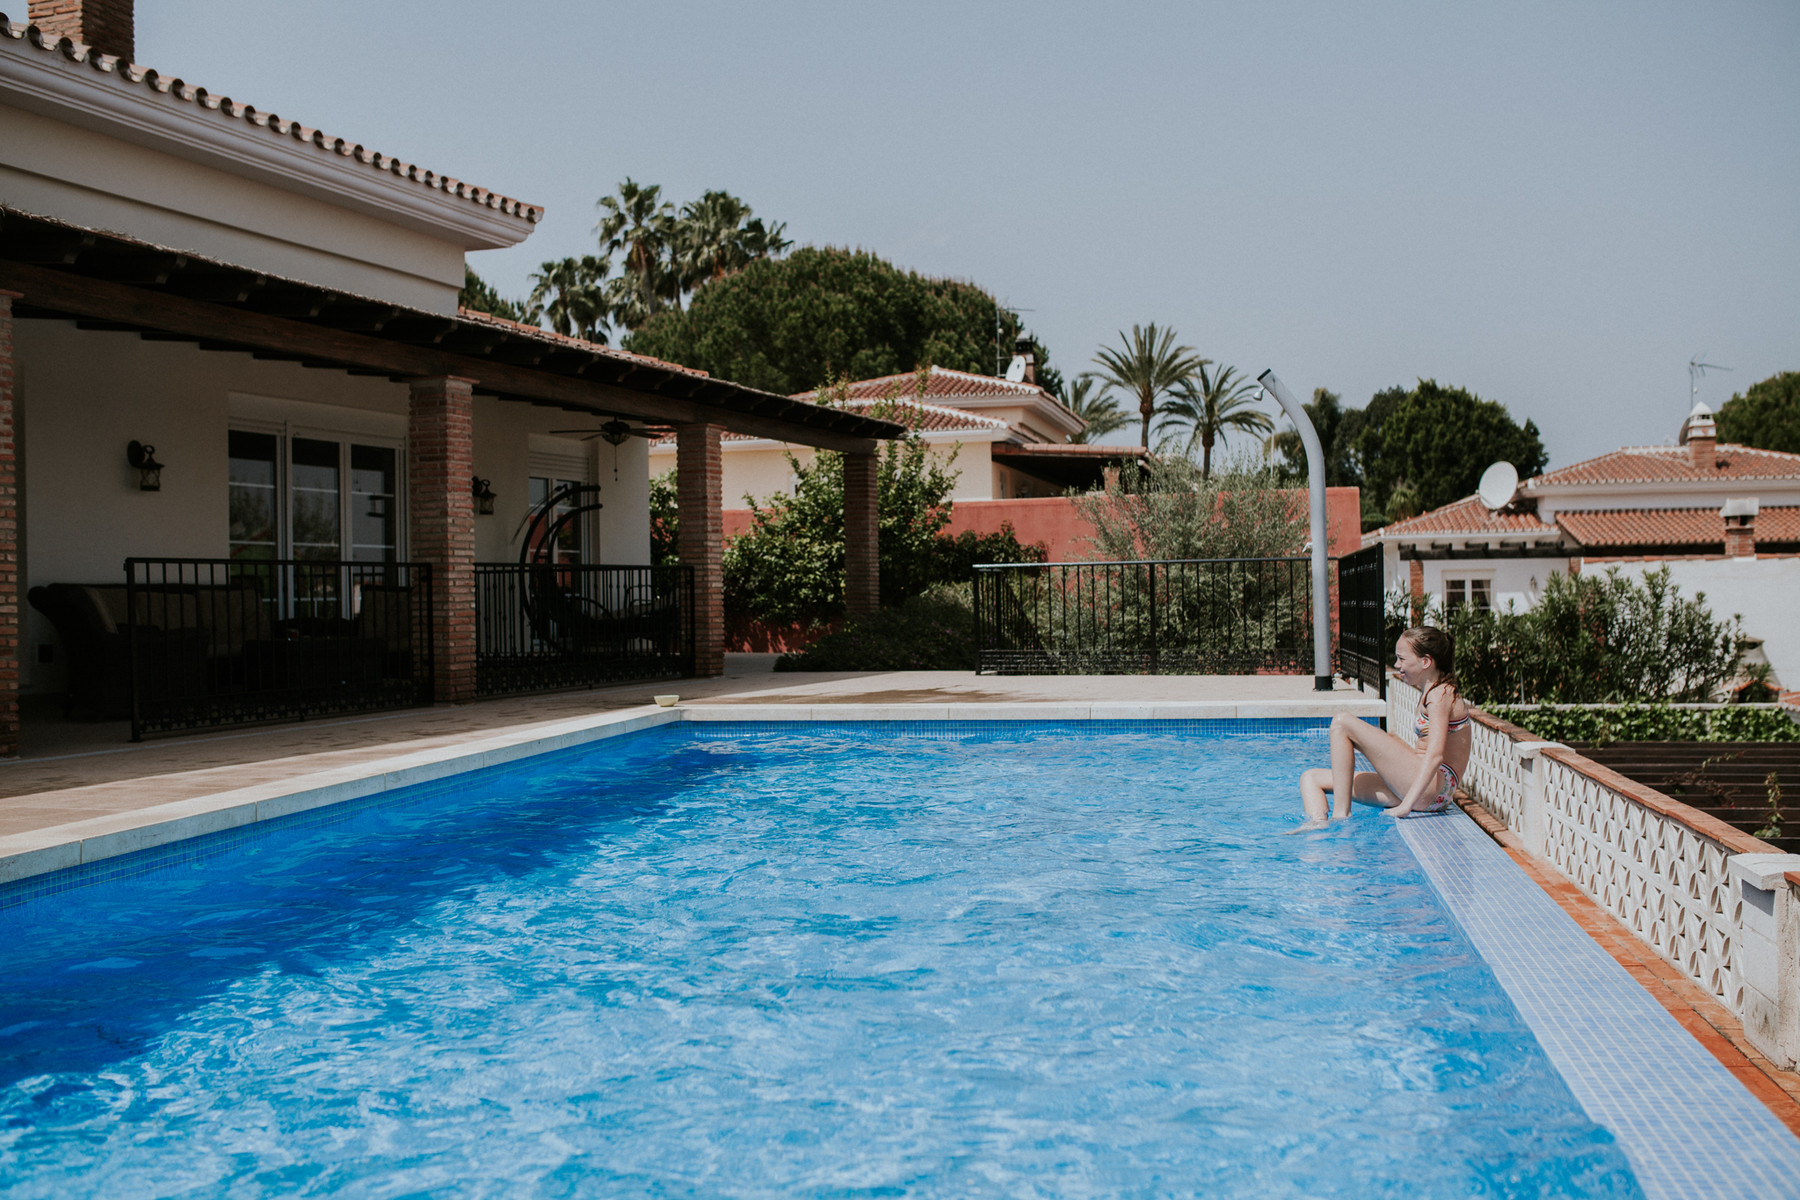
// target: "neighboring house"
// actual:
[[1725, 519], [274, 311], [1006, 437]]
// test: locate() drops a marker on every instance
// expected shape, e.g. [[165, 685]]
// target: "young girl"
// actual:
[[1405, 780]]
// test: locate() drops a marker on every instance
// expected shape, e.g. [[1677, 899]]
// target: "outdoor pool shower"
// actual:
[[1321, 572]]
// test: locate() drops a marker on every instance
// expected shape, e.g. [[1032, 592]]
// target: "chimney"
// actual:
[[1740, 527], [105, 25], [1701, 437], [1022, 354]]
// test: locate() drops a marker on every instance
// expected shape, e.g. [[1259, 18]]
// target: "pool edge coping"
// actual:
[[95, 839]]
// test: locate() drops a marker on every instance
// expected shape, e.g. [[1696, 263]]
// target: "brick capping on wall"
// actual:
[[9, 541], [700, 492], [862, 531], [440, 452]]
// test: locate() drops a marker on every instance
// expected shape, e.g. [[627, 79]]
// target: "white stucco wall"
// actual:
[[1761, 590], [760, 468], [81, 395], [1514, 581]]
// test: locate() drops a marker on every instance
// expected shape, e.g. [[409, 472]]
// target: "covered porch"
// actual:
[[434, 451]]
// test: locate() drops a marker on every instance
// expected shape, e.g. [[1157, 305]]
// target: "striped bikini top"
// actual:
[[1422, 723]]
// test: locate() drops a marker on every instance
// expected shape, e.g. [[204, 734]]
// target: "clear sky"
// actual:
[[1552, 204]]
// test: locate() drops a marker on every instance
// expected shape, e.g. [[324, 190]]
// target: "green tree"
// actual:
[[718, 235], [569, 295], [665, 521], [1149, 365], [1766, 415], [640, 225], [1332, 422], [1210, 406], [1437, 440], [789, 565], [1101, 412], [1164, 508], [478, 296], [788, 325]]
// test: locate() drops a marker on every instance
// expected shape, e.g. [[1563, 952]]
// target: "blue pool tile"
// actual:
[[1687, 1124]]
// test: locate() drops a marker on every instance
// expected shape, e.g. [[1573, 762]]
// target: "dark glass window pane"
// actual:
[[315, 498], [374, 504], [252, 496]]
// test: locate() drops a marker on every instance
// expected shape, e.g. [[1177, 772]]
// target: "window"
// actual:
[[287, 498], [569, 540], [1478, 592]]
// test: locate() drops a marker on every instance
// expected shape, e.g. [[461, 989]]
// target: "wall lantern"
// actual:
[[484, 496], [142, 457]]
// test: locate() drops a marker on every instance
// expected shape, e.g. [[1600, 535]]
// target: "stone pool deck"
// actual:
[[88, 778]]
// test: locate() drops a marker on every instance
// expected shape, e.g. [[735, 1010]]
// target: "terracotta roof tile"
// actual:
[[1467, 516], [921, 418], [550, 335], [1671, 464], [942, 383], [1647, 527], [76, 55]]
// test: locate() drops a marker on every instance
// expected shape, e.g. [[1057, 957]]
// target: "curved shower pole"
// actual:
[[1321, 571]]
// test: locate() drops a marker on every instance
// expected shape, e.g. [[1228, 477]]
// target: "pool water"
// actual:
[[813, 961]]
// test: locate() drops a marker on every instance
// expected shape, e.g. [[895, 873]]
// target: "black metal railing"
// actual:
[[545, 626], [1228, 616], [214, 641], [1362, 633]]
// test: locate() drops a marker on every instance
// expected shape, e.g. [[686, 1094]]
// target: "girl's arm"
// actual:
[[1437, 709]]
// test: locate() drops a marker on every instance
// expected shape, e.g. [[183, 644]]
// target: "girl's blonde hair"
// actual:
[[1428, 641]]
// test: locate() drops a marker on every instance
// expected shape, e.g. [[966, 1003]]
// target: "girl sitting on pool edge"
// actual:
[[1404, 780]]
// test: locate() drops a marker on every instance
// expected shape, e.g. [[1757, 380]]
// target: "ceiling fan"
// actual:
[[615, 432]]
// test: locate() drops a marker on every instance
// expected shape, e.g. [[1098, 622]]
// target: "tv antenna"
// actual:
[[1697, 369], [1002, 355]]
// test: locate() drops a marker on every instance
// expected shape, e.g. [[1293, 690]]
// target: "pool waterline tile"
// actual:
[[1688, 1125]]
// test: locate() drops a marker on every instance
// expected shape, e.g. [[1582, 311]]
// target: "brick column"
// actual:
[[440, 459], [862, 533], [1416, 578], [9, 542], [700, 493]]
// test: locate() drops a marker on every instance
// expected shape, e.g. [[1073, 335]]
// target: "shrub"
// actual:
[[1590, 639], [1163, 508], [933, 631], [1652, 723]]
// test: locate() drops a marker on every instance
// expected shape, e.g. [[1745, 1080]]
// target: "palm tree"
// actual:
[[1148, 365], [1212, 403], [717, 235], [1101, 412], [639, 223], [569, 295]]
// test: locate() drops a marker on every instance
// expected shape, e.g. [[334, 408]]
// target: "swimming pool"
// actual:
[[789, 961]]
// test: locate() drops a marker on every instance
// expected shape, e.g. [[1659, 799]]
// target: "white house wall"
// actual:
[[1513, 581], [1761, 590], [760, 468], [82, 395], [81, 176]]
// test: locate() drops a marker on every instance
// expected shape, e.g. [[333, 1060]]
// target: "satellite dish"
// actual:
[[1015, 371], [1499, 484]]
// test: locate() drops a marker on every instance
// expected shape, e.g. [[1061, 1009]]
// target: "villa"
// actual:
[[231, 351], [1723, 518]]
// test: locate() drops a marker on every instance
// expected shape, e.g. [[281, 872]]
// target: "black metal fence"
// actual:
[[1227, 616], [215, 642], [1362, 633], [543, 626]]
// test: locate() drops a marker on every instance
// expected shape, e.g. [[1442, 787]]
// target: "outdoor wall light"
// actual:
[[484, 496], [142, 457]]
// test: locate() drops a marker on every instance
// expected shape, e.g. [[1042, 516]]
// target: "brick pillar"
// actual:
[[1416, 575], [9, 542], [440, 460], [862, 532], [700, 494]]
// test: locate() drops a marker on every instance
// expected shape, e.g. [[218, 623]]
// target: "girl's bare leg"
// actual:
[[1396, 764], [1316, 786]]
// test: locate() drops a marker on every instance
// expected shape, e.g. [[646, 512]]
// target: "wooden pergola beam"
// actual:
[[221, 326]]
